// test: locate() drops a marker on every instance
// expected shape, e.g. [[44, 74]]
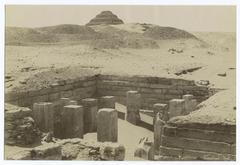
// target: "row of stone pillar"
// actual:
[[66, 119]]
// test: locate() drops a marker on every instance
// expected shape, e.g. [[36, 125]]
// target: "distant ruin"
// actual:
[[105, 18]]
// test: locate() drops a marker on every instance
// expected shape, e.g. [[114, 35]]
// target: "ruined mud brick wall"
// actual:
[[75, 89], [152, 89], [20, 128], [199, 141]]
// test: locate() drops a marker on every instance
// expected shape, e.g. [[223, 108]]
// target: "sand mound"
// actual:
[[102, 37], [71, 33], [112, 38], [46, 78], [67, 29], [162, 33], [105, 18], [136, 36], [133, 27], [50, 35], [21, 36], [218, 109]]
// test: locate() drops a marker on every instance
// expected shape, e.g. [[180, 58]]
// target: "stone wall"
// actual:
[[152, 89], [75, 89], [198, 142]]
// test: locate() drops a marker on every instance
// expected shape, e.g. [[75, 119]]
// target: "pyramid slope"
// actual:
[[105, 18]]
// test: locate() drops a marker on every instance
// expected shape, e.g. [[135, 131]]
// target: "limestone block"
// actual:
[[188, 97], [112, 151], [170, 131], [90, 107], [58, 109], [176, 107], [196, 144], [54, 96], [233, 149], [43, 114], [193, 105], [203, 155], [169, 151], [68, 93], [48, 151], [64, 101], [133, 100], [70, 151], [203, 134], [58, 116], [73, 102], [158, 132], [107, 102], [72, 121], [133, 106], [107, 125], [25, 102], [190, 103], [145, 150], [13, 112], [42, 98]]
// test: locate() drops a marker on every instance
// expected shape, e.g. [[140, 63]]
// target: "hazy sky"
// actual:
[[192, 18]]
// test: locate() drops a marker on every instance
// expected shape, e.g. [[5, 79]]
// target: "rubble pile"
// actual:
[[73, 149], [20, 128]]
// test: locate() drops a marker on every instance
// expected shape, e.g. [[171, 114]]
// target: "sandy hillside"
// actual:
[[213, 55]]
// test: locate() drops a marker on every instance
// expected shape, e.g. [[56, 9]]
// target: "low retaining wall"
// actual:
[[152, 89], [199, 142], [75, 89]]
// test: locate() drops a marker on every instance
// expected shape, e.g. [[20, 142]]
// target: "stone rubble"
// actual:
[[20, 128], [73, 149]]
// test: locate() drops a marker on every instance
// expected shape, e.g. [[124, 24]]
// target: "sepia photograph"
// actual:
[[120, 82]]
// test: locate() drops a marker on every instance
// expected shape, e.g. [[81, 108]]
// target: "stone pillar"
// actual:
[[176, 107], [190, 103], [43, 114], [58, 110], [133, 107], [90, 107], [72, 121], [158, 132], [107, 102], [107, 125], [163, 109]]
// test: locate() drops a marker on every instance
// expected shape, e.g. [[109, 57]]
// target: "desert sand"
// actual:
[[215, 55]]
